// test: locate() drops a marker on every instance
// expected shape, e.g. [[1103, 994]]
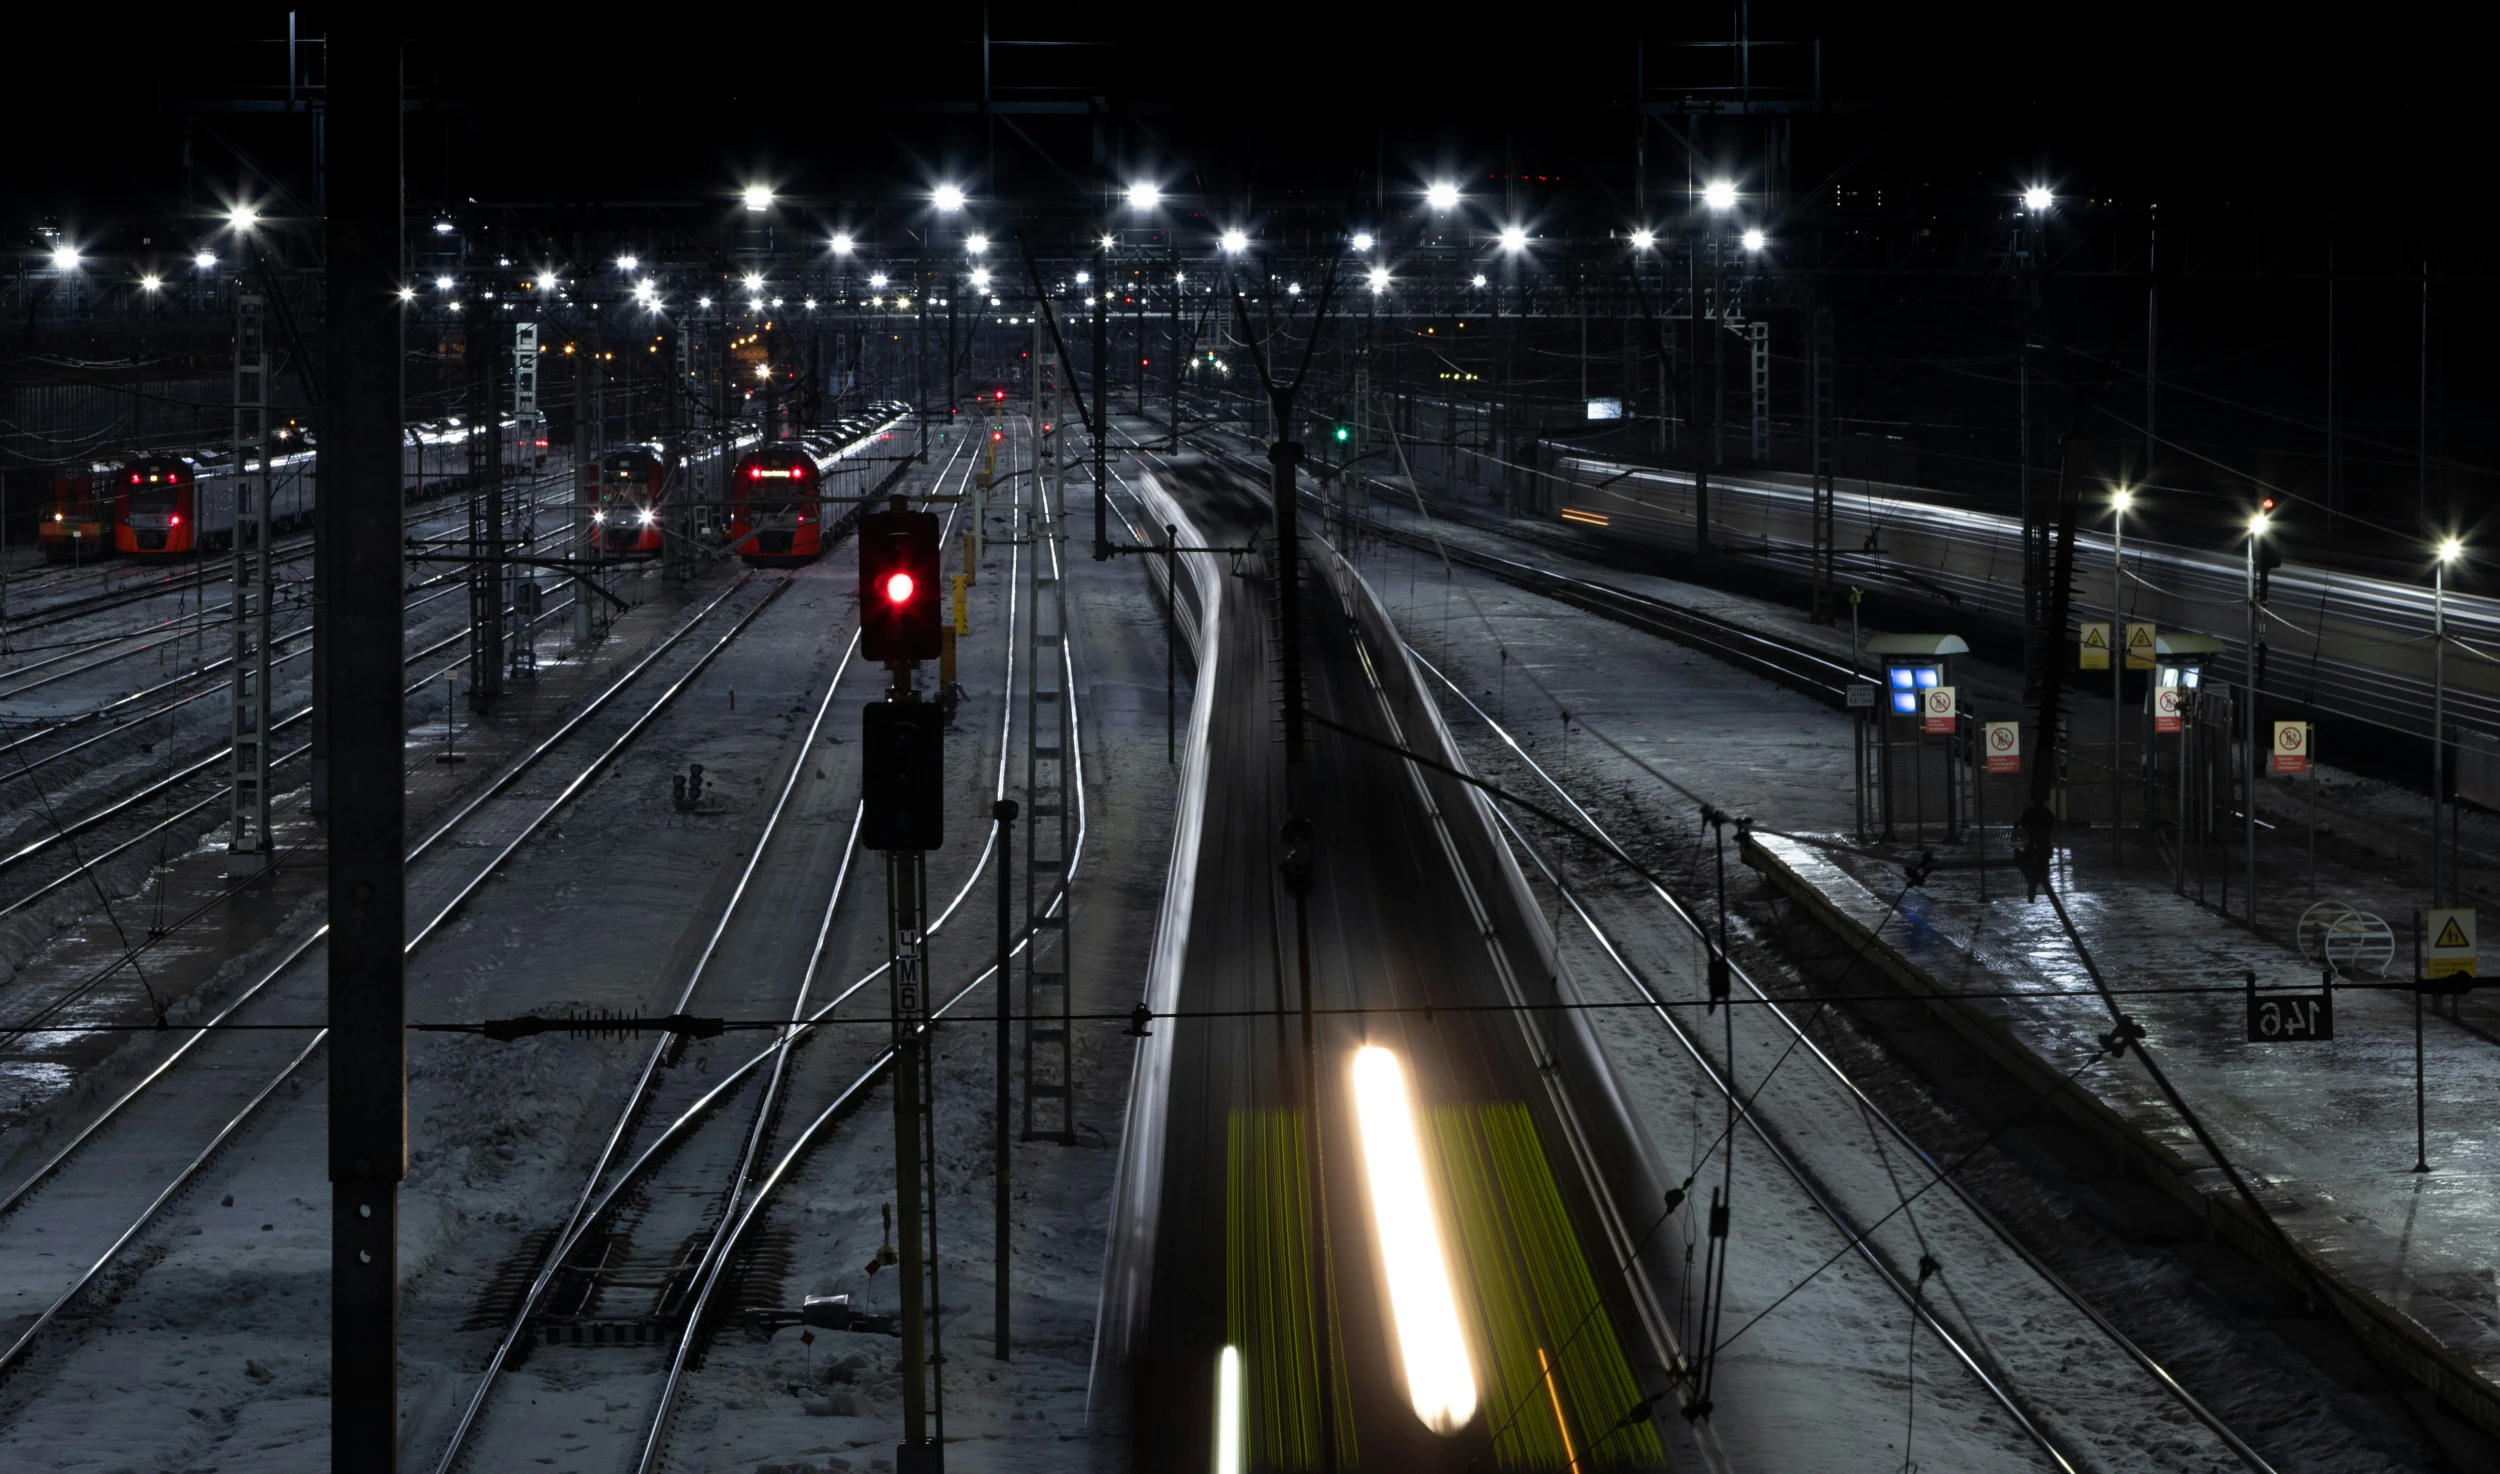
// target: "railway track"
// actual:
[[1803, 1155], [647, 1251], [117, 1173]]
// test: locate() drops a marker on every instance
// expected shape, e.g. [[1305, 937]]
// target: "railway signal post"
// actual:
[[902, 795]]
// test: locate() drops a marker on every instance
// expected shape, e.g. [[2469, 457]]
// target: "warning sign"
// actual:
[[2291, 747], [2139, 647], [2166, 709], [2451, 934], [2095, 647], [1938, 709], [2003, 742]]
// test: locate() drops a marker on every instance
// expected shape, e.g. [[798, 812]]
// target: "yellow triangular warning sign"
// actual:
[[2451, 935], [2139, 636], [2096, 636]]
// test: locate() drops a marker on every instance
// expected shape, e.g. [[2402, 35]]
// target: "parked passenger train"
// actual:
[[180, 504], [779, 510], [77, 519]]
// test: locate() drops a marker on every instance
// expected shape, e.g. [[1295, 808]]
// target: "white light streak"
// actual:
[[1440, 1379], [1228, 1412]]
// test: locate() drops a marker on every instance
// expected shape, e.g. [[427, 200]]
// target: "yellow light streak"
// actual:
[[1228, 1411], [1440, 1379], [1554, 1394]]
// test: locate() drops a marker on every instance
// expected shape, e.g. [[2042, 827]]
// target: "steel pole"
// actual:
[[2248, 755], [1005, 814], [361, 573], [2117, 681], [2439, 717], [1101, 310]]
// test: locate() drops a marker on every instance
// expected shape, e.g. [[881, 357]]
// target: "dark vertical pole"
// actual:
[[909, 1004], [1283, 456], [1172, 356], [1101, 309], [360, 583], [1702, 433], [1005, 814], [1171, 617]]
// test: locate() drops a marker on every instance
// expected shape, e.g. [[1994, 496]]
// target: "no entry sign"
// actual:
[[2003, 742], [2291, 747], [1937, 708], [2166, 709]]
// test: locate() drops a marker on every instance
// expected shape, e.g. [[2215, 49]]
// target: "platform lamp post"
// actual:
[[2449, 548], [2258, 523], [2119, 501]]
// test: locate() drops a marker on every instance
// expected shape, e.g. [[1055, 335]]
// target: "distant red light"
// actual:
[[898, 587], [1002, 396], [176, 519]]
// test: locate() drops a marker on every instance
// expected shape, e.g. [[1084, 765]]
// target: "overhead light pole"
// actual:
[[2449, 549], [2257, 527], [2119, 501]]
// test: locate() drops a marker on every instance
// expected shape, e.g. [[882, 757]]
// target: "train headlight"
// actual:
[[649, 516], [599, 517]]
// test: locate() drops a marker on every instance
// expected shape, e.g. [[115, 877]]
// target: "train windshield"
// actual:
[[153, 488], [779, 491], [626, 476]]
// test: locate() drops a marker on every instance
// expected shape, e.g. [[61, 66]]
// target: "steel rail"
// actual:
[[592, 1204], [2143, 1360], [13, 1354]]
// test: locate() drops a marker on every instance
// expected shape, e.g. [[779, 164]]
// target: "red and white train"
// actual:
[[779, 506], [174, 505]]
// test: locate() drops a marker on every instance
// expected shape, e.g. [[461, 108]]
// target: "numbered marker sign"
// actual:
[[2166, 709], [2290, 1018], [2450, 950], [2140, 647], [1937, 708], [2095, 647], [2291, 747], [2004, 746]]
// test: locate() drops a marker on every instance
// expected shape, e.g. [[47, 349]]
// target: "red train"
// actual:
[[625, 501], [77, 521], [779, 507]]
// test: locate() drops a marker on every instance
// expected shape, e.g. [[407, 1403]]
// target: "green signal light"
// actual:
[[1344, 434]]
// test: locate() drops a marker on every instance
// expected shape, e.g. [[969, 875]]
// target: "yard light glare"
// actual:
[[1440, 1381], [1753, 240], [442, 284], [442, 227], [1380, 280], [2258, 524], [242, 217], [1514, 239], [406, 294], [981, 280], [2037, 197], [948, 197], [65, 257], [758, 197], [627, 262], [1111, 243], [2122, 499], [976, 243], [151, 283], [1362, 240], [1441, 195], [876, 279], [763, 371], [755, 281], [1235, 242], [1142, 195], [1719, 194], [2449, 548], [1642, 240], [546, 281], [204, 260], [842, 243], [1477, 279]]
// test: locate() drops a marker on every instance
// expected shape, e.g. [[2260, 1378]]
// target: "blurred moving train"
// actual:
[[781, 496], [182, 503]]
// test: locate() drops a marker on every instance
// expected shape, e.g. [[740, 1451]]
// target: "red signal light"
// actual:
[[898, 588], [2267, 505], [175, 519], [1002, 396]]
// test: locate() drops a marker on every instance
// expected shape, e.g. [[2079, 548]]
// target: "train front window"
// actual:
[[151, 492]]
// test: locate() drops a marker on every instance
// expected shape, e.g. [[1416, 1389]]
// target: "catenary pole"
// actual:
[[360, 573]]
